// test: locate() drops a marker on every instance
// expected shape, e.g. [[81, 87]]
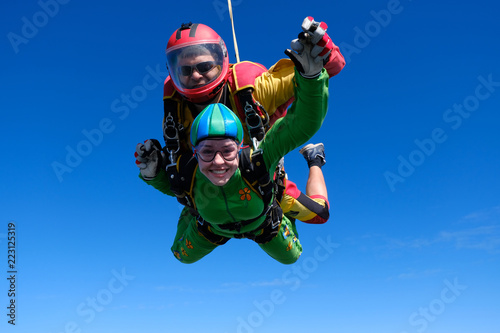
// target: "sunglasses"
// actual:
[[202, 68]]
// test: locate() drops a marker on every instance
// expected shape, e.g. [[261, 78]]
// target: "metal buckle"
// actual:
[[171, 136]]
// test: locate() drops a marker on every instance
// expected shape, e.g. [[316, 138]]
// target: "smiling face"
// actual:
[[225, 159], [195, 79]]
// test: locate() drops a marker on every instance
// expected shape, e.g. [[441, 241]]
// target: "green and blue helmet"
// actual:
[[216, 121]]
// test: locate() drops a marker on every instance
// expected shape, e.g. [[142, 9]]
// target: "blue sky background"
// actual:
[[413, 243]]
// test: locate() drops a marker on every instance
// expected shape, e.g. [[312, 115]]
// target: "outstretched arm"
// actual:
[[303, 120], [274, 88]]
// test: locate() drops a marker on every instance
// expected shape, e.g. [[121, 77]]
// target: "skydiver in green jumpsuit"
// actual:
[[222, 196]]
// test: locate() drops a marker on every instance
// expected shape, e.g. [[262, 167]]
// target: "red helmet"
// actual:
[[196, 47]]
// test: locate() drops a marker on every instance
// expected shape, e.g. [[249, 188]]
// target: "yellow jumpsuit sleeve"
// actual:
[[275, 87]]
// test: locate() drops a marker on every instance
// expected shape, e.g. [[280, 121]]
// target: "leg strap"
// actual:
[[205, 229]]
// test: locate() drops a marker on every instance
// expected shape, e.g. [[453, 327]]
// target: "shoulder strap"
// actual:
[[242, 83], [256, 117], [254, 172], [174, 132], [172, 128], [181, 178]]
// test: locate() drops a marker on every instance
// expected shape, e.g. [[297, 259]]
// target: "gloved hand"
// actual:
[[316, 31], [313, 48], [149, 158]]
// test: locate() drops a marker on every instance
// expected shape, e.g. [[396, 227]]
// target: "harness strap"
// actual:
[[280, 180], [181, 179], [255, 173], [271, 225], [255, 125], [173, 130], [205, 229]]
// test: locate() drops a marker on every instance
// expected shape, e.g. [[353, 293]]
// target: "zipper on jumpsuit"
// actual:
[[227, 206]]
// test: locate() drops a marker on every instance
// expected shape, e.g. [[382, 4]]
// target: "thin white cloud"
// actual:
[[485, 237], [481, 238], [490, 214]]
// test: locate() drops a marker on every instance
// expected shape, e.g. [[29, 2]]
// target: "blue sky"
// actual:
[[413, 243]]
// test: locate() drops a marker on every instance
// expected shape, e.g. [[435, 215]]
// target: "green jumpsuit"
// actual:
[[236, 201]]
